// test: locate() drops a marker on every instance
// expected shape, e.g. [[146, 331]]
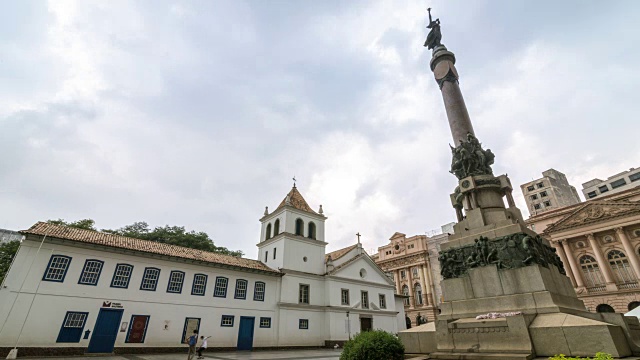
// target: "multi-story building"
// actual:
[[552, 191], [413, 263], [614, 184], [599, 244]]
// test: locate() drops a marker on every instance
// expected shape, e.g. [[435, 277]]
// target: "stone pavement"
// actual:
[[321, 354]]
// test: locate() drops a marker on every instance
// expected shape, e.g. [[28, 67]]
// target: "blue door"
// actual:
[[104, 333], [245, 333]]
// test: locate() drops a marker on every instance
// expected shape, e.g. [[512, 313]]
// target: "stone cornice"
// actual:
[[405, 260]]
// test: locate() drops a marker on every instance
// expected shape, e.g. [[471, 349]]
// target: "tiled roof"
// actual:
[[296, 200], [339, 253], [153, 247]]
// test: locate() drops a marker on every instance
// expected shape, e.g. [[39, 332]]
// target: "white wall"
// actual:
[[297, 250]]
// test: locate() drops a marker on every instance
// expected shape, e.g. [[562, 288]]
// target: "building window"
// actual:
[[311, 233], [344, 297], [221, 287], [299, 227], [303, 297], [241, 289], [267, 234], [276, 227], [591, 271], [57, 268], [415, 272], [176, 278], [121, 276], [274, 253], [632, 305], [383, 301], [265, 322], [403, 274], [417, 292], [543, 194], [540, 185], [603, 189], [634, 177], [258, 291], [620, 265], [91, 272], [605, 308], [303, 324], [72, 327], [405, 292], [364, 296], [227, 320], [199, 284], [266, 256], [547, 203], [536, 206], [150, 279], [618, 183], [592, 194], [530, 188], [534, 196]]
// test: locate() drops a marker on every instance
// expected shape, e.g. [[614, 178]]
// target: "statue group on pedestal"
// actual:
[[470, 159], [508, 252]]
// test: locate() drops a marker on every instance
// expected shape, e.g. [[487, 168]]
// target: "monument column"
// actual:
[[628, 248], [575, 269], [563, 257], [602, 263]]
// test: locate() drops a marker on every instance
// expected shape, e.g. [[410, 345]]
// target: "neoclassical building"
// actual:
[[413, 261], [599, 244]]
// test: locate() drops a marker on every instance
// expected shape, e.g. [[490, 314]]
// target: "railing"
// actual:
[[597, 289], [629, 285]]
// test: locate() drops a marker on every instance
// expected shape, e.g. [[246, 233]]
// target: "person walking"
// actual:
[[203, 346], [192, 340]]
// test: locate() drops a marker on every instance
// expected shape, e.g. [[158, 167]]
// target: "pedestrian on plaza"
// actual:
[[193, 339], [203, 346]]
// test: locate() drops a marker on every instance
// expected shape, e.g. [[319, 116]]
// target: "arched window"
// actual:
[[276, 227], [405, 292], [604, 308], [620, 265], [299, 227], [311, 233], [417, 292], [591, 271], [267, 236], [632, 305]]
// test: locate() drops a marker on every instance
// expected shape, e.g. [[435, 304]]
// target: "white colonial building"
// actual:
[[71, 291]]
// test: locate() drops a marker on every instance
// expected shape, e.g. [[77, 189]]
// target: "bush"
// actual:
[[373, 345], [599, 356]]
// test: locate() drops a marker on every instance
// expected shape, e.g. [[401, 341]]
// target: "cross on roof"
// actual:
[[358, 235], [294, 181]]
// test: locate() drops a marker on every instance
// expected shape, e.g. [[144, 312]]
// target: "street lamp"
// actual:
[[348, 325]]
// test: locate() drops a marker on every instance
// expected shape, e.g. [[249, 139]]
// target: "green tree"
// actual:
[[376, 344], [7, 251], [174, 235]]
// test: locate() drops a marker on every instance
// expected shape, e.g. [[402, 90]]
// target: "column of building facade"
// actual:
[[412, 295], [577, 274], [563, 257], [602, 263], [434, 299], [628, 248], [396, 278], [423, 284]]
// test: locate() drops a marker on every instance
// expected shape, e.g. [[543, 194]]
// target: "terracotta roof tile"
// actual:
[[296, 200], [339, 253], [123, 242]]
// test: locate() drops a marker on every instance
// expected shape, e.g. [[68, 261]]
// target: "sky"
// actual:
[[200, 113]]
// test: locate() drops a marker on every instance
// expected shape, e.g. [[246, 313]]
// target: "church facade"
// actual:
[[75, 291]]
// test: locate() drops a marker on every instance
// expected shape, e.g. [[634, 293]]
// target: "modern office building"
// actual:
[[614, 184], [551, 191]]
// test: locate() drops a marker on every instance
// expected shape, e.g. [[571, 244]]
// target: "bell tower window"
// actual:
[[267, 236], [312, 231], [276, 227], [299, 227]]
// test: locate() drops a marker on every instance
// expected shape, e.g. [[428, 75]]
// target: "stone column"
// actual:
[[628, 248], [412, 297], [423, 284], [575, 269], [602, 263], [428, 269], [396, 277], [565, 262], [510, 200]]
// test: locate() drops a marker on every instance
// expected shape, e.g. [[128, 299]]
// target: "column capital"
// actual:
[[590, 236], [562, 241], [619, 230]]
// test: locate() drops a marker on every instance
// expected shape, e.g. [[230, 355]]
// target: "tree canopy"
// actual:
[[7, 251], [174, 235]]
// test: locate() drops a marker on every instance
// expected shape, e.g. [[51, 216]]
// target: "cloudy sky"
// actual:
[[200, 113]]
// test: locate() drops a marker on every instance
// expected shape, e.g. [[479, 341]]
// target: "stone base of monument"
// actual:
[[552, 320]]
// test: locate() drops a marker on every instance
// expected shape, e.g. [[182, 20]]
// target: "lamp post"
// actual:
[[348, 325]]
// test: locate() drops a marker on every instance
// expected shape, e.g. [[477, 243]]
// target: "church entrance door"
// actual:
[[366, 324]]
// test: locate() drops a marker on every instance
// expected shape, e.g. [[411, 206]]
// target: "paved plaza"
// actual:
[[320, 354]]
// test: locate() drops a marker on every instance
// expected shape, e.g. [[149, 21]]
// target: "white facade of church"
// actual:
[[86, 291]]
